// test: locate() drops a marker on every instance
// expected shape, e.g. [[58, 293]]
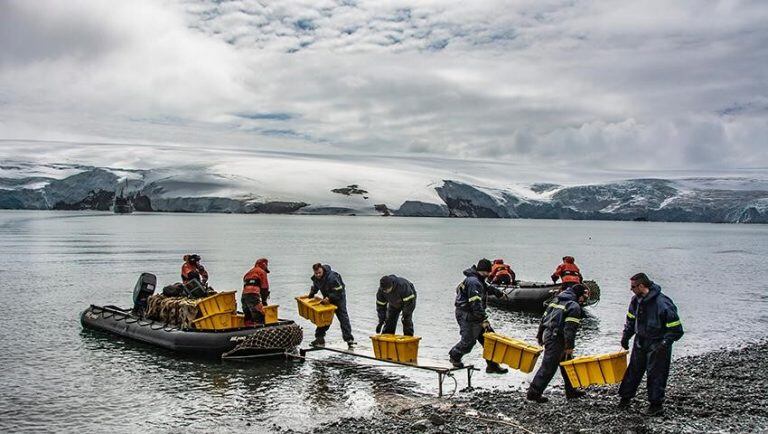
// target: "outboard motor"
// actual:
[[145, 287]]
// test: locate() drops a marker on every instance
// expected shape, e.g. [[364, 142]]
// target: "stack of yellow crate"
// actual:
[[219, 312]]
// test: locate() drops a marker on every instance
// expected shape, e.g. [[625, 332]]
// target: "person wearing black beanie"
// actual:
[[471, 295]]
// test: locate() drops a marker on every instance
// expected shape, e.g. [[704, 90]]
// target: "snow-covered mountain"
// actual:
[[311, 186]]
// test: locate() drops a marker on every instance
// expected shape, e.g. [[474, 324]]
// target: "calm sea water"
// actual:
[[58, 377]]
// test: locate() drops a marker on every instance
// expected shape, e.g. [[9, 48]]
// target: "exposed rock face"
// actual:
[[69, 193], [96, 200], [464, 200], [382, 209], [415, 208], [350, 190]]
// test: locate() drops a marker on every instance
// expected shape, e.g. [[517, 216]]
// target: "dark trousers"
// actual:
[[554, 353], [343, 316], [390, 324], [252, 307], [650, 359], [471, 331]]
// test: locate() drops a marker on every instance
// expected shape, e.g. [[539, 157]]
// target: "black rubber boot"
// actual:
[[655, 410], [317, 342], [351, 344], [625, 403], [576, 394], [533, 396], [495, 368], [456, 363]]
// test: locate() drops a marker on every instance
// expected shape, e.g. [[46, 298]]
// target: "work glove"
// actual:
[[554, 279], [379, 327], [569, 354], [625, 343], [485, 324], [663, 346]]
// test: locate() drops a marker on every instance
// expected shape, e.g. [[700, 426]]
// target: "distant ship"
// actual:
[[122, 203]]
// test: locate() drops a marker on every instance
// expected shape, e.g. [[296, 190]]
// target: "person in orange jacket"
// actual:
[[501, 273], [193, 269], [255, 292], [568, 272]]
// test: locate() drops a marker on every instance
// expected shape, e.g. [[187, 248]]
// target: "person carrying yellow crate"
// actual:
[[652, 319], [329, 283], [471, 296], [395, 295], [557, 333]]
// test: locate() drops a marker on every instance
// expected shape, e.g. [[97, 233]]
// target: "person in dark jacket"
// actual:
[[331, 286], [652, 319], [471, 295], [395, 295], [557, 333]]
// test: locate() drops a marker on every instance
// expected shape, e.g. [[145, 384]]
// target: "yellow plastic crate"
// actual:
[[397, 348], [312, 309], [606, 368], [512, 352], [270, 313], [220, 321], [223, 302]]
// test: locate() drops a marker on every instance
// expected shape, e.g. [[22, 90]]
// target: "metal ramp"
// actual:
[[442, 369]]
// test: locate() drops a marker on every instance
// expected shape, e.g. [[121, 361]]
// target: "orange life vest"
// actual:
[[568, 272], [191, 271], [255, 280]]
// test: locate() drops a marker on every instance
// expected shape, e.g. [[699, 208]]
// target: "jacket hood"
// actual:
[[653, 292], [471, 271], [568, 259], [567, 295], [326, 272]]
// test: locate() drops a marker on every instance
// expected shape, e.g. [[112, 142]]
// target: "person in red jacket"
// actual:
[[255, 292], [193, 269], [568, 272], [501, 273]]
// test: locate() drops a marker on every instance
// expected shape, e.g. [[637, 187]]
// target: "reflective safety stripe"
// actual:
[[475, 298], [381, 303], [410, 297], [630, 316], [338, 288], [673, 324], [573, 319], [556, 306]]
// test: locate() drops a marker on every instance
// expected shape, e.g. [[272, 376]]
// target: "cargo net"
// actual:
[[594, 292], [281, 338], [175, 311]]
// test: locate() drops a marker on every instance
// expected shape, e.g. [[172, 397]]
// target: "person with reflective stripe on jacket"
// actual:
[[652, 319], [471, 295], [557, 333], [395, 295], [567, 272], [329, 283]]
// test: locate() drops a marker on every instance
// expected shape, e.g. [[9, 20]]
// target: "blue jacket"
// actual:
[[402, 293], [472, 294], [562, 317], [653, 318], [330, 285]]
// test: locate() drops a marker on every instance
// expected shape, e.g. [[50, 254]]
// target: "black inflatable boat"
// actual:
[[533, 296], [247, 342], [267, 340]]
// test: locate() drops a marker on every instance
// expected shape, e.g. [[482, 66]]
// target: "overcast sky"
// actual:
[[635, 84]]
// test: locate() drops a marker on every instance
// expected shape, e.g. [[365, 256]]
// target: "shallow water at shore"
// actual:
[[54, 264]]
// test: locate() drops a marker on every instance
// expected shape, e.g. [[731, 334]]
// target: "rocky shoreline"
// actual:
[[722, 391]]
